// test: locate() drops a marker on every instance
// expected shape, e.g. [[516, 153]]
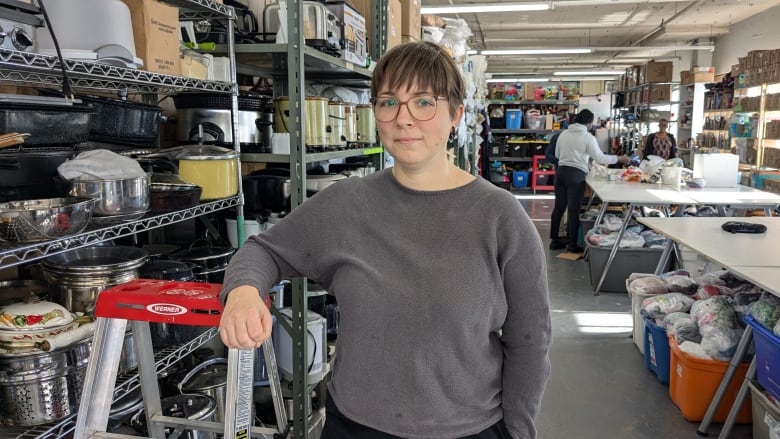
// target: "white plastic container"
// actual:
[[251, 227], [315, 354], [102, 27], [718, 170]]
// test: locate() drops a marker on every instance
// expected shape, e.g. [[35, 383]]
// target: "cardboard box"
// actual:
[[528, 91], [655, 71], [156, 35], [393, 22], [657, 93], [410, 18], [703, 74], [686, 77], [408, 39], [354, 46]]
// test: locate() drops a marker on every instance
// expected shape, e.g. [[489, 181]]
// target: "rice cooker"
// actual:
[[315, 351]]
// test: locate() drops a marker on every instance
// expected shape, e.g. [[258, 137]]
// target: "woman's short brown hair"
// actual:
[[422, 64]]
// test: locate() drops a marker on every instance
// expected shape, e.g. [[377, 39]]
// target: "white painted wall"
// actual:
[[599, 109], [760, 32]]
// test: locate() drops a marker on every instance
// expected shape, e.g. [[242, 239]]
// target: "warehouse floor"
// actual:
[[600, 387]]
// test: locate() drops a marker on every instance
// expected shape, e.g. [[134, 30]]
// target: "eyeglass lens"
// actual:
[[421, 108]]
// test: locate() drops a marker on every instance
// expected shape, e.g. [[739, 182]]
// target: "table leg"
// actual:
[[615, 246], [664, 256], [739, 399], [744, 342]]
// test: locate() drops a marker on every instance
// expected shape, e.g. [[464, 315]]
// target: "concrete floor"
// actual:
[[600, 387]]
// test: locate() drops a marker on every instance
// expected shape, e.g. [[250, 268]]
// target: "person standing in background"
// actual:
[[419, 247], [575, 147], [661, 143]]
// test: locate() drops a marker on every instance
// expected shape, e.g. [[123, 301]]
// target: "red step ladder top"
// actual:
[[161, 301]]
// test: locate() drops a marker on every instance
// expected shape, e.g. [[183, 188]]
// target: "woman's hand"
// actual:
[[246, 321]]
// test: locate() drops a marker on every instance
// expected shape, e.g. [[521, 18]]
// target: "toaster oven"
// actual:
[[321, 29]]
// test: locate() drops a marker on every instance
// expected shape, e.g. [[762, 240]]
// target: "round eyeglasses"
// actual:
[[422, 108]]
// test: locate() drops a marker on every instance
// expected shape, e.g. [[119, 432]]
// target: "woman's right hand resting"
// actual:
[[246, 321]]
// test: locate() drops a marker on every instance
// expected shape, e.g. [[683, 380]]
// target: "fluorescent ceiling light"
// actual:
[[512, 80], [590, 73], [534, 51], [499, 7], [472, 52]]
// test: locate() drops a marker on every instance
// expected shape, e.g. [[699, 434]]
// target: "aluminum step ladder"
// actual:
[[183, 303]]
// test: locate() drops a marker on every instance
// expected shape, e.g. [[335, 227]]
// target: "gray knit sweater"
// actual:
[[445, 323]]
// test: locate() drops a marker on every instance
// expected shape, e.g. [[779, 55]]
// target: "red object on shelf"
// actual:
[[539, 174]]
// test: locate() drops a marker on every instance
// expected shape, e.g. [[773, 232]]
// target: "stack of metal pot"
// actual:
[[76, 277], [44, 350]]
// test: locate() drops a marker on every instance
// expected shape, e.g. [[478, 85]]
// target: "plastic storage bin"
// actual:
[[764, 411], [520, 179], [767, 346], [585, 226], [627, 261], [638, 333], [514, 119], [656, 346], [693, 382]]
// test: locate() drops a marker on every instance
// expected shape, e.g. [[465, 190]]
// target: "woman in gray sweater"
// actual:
[[440, 277]]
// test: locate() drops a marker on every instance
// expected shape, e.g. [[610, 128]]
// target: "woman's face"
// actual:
[[413, 142], [662, 126]]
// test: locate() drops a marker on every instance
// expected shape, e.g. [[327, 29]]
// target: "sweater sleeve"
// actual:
[[526, 333], [593, 150]]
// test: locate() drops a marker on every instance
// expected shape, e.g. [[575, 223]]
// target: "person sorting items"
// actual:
[[440, 277], [661, 143], [574, 149]]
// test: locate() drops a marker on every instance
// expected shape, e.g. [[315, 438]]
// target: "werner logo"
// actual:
[[166, 309]]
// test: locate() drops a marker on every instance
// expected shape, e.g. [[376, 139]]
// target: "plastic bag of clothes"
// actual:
[[657, 307], [718, 326], [706, 291], [653, 239], [766, 310], [648, 285], [683, 327], [715, 311], [719, 342], [678, 283], [712, 278]]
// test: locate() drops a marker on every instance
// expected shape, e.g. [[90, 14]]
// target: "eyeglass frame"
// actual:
[[406, 102]]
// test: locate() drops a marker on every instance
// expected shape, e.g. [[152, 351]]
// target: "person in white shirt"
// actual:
[[574, 149]]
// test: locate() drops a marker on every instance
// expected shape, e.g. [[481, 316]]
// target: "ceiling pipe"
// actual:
[[654, 33]]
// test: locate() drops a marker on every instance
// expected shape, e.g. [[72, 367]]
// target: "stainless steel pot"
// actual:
[[209, 378], [205, 256], [190, 406], [43, 387], [115, 197], [78, 276]]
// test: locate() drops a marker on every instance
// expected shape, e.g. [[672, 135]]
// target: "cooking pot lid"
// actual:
[[202, 253], [210, 377], [97, 257], [190, 406], [128, 403], [159, 250], [159, 269], [33, 314], [199, 152]]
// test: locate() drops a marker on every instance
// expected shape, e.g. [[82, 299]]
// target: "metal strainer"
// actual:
[[40, 220]]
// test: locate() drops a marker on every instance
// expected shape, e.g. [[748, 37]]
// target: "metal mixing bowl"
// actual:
[[40, 220]]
